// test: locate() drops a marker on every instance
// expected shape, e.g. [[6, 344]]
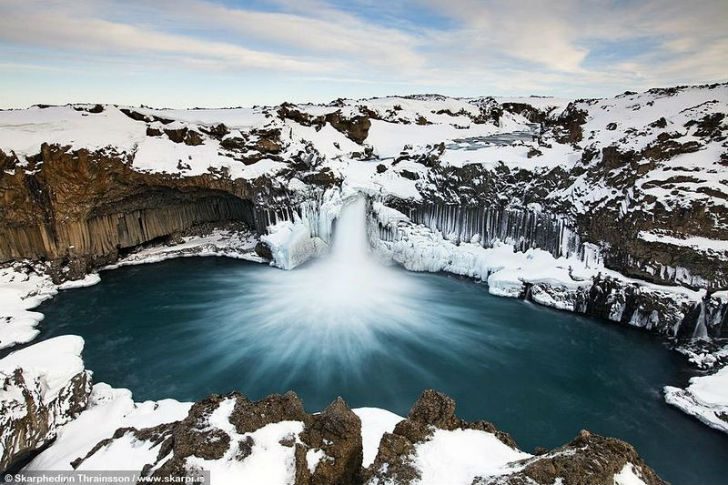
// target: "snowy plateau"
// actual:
[[615, 208]]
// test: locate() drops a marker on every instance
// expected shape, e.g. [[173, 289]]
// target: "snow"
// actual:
[[219, 242], [239, 118], [374, 423], [20, 291], [54, 361], [388, 139], [125, 453], [313, 457], [23, 131], [716, 247], [363, 177], [513, 155], [270, 462], [159, 154], [108, 410], [628, 475], [324, 139], [88, 280], [457, 457], [706, 398]]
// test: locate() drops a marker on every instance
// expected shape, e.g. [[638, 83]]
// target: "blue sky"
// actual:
[[183, 53]]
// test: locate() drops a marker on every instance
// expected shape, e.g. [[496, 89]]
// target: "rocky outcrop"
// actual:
[[83, 207], [588, 459], [356, 127], [433, 410], [323, 448], [227, 434], [41, 388]]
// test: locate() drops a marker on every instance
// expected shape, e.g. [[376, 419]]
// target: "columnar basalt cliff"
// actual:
[[634, 184], [87, 206], [615, 208]]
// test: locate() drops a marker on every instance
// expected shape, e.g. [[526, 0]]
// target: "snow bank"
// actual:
[[21, 289], [457, 457], [88, 280], [220, 242], [108, 410], [374, 423], [706, 398], [54, 362]]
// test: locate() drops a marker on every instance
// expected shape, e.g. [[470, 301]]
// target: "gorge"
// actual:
[[538, 199]]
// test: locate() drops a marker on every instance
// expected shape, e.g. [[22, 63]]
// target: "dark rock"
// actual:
[[337, 432], [263, 250], [248, 416], [409, 175], [216, 131], [193, 138], [96, 109], [24, 431], [245, 448], [660, 123], [355, 128], [588, 460]]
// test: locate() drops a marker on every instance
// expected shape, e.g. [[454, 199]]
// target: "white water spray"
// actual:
[[333, 313]]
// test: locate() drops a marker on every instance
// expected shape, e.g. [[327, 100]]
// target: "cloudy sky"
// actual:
[[185, 53]]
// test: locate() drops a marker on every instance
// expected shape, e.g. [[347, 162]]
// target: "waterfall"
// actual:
[[700, 332], [350, 237]]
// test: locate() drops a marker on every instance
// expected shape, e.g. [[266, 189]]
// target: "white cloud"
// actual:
[[60, 28], [572, 47]]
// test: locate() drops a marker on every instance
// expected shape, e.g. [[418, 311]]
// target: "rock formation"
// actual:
[[42, 388]]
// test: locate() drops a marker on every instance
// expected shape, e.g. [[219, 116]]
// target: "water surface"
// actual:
[[190, 327]]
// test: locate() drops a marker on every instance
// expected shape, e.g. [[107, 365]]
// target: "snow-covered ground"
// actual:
[[706, 398], [21, 290]]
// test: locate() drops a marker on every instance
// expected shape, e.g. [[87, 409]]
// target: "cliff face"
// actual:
[[84, 207], [43, 387], [637, 182]]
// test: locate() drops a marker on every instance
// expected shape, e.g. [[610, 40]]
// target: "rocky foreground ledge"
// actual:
[[52, 419]]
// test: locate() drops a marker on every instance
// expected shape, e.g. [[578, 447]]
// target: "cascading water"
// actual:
[[377, 336], [331, 314]]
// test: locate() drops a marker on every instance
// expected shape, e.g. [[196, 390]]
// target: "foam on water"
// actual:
[[331, 314], [378, 336]]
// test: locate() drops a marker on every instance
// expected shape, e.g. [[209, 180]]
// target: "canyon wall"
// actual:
[[84, 207]]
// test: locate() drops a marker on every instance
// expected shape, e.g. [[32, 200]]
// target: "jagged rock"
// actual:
[[31, 411], [153, 131], [527, 111], [336, 431], [587, 460], [433, 410], [570, 123], [355, 128]]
